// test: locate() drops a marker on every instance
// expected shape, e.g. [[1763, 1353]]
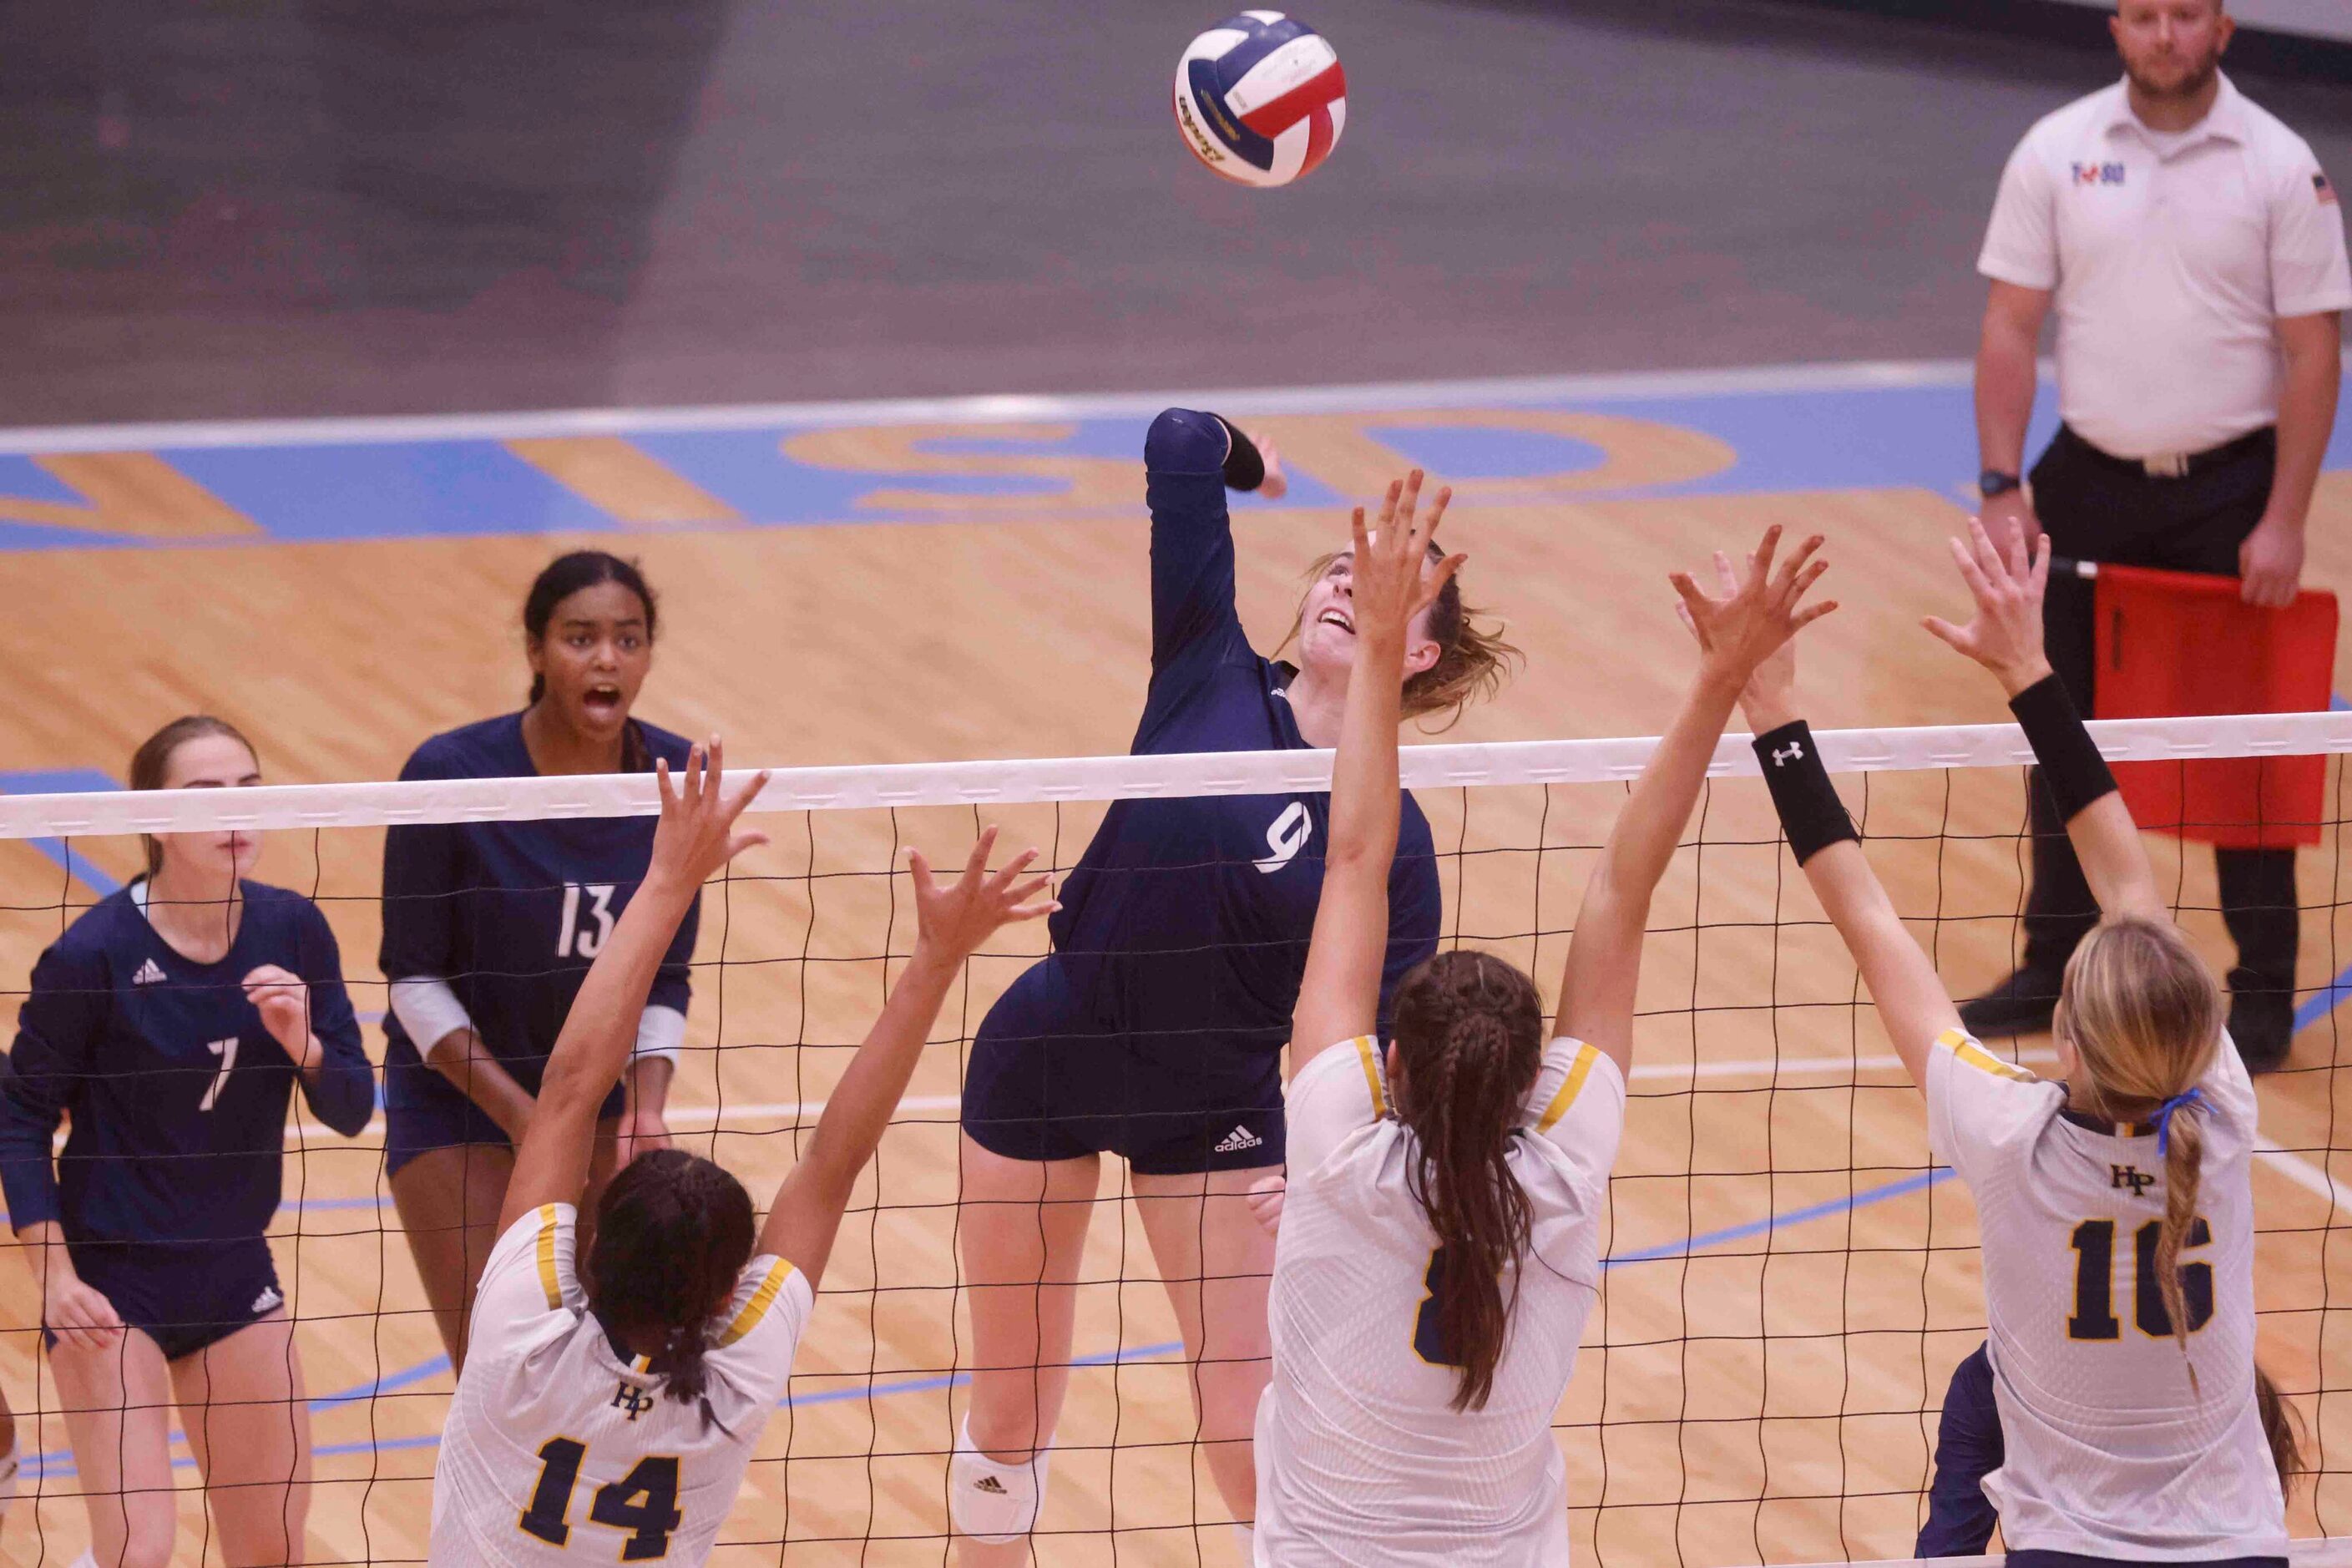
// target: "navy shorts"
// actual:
[[184, 1295], [423, 1111], [1049, 1082]]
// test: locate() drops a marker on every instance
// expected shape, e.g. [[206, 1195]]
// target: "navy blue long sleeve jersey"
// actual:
[[1193, 915], [511, 914], [176, 1091]]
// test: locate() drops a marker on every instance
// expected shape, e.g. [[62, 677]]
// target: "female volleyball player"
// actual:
[[489, 928], [1960, 1517], [1440, 1238], [2117, 1204], [1155, 1029], [607, 1414], [172, 1022]]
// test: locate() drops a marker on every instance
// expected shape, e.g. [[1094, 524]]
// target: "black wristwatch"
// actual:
[[1992, 482]]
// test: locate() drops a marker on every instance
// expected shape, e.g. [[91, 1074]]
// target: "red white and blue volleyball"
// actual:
[[1260, 97]]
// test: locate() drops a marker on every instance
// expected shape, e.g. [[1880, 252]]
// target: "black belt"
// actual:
[[2175, 465]]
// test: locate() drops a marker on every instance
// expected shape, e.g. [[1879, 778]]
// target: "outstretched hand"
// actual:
[[954, 920], [1391, 578], [697, 835], [2007, 585], [1750, 620]]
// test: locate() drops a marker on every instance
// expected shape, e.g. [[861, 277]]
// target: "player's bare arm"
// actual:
[[2005, 636], [697, 837], [950, 922], [1393, 581]]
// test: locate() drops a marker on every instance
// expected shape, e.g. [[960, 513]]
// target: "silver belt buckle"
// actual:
[[2166, 465]]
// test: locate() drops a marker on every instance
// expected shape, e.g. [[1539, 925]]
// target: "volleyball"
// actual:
[[1260, 97]]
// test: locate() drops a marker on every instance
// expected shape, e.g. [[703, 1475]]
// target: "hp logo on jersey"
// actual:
[[632, 1399], [1285, 837]]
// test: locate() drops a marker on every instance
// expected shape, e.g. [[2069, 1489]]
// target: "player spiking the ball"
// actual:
[[607, 1412], [1154, 1029], [2117, 1203], [1440, 1245]]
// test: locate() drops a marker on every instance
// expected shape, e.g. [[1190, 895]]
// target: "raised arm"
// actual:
[[1391, 581], [1911, 999], [950, 923], [2006, 638], [1735, 633], [697, 837], [1190, 460]]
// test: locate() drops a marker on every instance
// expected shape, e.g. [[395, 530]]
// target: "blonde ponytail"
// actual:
[[2144, 1017]]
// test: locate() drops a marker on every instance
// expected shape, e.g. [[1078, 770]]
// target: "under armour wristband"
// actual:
[[1811, 815], [1245, 466], [2071, 765]]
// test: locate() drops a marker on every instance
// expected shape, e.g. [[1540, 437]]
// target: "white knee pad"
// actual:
[[993, 1502]]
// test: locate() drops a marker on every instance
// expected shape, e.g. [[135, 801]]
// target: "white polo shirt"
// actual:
[[2172, 258]]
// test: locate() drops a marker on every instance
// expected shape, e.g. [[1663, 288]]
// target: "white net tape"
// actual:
[[1027, 780]]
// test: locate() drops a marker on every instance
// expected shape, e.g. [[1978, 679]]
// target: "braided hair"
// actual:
[[673, 1233], [1469, 1041]]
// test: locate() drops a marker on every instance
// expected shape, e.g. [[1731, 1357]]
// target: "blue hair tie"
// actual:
[[2164, 1114]]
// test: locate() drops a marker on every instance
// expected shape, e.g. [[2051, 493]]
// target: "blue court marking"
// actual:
[[367, 491], [60, 1463], [64, 780], [1907, 1184], [1797, 439]]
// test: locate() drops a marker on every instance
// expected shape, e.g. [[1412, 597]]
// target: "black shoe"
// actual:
[[2262, 1021], [2020, 1004]]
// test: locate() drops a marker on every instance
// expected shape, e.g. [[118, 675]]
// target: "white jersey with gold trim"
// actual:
[[2109, 1452], [561, 1450], [1362, 1457]]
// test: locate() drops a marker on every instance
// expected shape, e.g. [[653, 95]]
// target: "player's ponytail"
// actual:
[[566, 575], [2144, 1015], [1469, 1038], [673, 1234], [1473, 657], [2281, 1429], [1473, 660], [150, 764]]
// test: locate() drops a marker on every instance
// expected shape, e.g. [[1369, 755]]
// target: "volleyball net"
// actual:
[[1790, 1278]]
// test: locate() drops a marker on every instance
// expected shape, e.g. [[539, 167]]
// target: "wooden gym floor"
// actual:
[[1792, 1281]]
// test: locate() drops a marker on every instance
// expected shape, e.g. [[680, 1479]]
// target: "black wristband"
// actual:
[[2071, 765], [1244, 467], [1811, 815]]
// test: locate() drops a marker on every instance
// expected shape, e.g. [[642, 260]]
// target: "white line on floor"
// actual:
[[1367, 397]]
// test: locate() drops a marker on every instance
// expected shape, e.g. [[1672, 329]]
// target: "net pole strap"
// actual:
[[1026, 781]]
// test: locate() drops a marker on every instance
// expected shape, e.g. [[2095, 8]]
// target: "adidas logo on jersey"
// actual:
[[270, 1300], [150, 974], [990, 1485], [1239, 1139]]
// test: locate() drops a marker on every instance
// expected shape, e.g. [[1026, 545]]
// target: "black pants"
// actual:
[[2097, 508]]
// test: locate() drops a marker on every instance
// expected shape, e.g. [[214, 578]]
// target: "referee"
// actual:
[[2195, 255]]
